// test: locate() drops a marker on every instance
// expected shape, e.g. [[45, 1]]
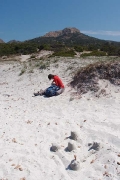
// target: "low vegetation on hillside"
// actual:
[[59, 49], [7, 49], [65, 53]]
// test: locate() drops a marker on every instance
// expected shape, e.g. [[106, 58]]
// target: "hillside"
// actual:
[[69, 36], [13, 41]]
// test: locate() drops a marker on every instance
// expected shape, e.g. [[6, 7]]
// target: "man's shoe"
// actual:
[[39, 93]]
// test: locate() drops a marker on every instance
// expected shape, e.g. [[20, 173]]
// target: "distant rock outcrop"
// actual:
[[65, 31], [13, 41], [1, 41]]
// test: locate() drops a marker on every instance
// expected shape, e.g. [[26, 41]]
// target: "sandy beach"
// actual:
[[30, 125]]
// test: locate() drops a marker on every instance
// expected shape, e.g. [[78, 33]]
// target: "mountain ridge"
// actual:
[[68, 36]]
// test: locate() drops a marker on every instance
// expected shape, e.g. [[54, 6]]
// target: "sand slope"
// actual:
[[29, 125]]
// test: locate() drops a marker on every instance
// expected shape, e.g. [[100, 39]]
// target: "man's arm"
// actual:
[[53, 82]]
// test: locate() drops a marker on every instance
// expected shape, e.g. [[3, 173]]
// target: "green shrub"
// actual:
[[37, 64], [43, 66], [78, 48], [66, 53], [94, 53], [22, 71], [31, 71], [32, 56]]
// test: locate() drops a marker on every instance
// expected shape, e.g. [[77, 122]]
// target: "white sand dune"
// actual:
[[29, 125], [23, 58]]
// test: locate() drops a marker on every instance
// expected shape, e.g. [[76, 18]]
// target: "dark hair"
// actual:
[[50, 76]]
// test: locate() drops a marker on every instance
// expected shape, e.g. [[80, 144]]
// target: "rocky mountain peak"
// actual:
[[70, 30], [65, 31]]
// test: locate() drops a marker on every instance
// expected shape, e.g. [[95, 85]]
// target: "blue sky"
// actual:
[[27, 19]]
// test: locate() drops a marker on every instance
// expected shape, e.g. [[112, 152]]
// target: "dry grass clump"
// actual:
[[87, 77]]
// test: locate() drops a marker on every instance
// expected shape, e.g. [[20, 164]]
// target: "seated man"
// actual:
[[56, 88], [57, 81]]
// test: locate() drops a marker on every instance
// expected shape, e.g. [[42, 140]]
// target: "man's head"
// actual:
[[50, 76]]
